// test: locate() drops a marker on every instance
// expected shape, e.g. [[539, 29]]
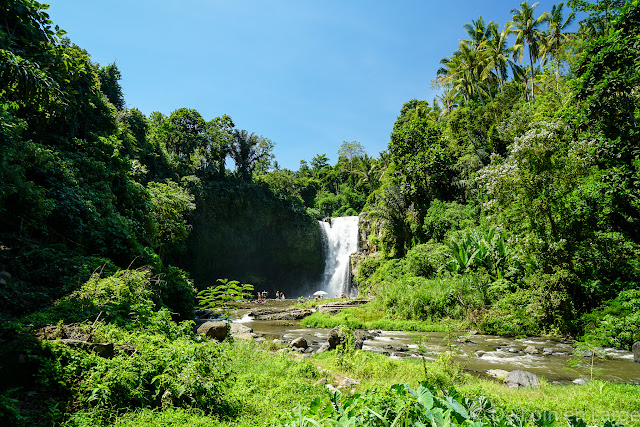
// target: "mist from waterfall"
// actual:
[[341, 239]]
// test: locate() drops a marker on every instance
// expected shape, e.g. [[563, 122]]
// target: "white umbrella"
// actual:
[[320, 293]]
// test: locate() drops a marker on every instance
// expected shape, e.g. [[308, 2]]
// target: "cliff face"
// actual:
[[243, 232], [366, 227]]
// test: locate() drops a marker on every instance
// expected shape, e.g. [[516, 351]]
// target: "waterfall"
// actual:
[[341, 240]]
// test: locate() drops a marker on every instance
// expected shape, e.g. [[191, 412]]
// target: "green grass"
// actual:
[[594, 402], [364, 318]]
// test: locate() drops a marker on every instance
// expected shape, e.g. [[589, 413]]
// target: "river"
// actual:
[[476, 353]]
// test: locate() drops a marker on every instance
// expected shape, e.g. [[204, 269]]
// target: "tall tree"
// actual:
[[527, 29], [351, 151], [187, 132], [418, 150], [219, 135], [556, 35], [110, 76], [250, 151]]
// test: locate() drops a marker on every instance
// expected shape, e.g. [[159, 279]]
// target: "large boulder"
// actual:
[[214, 330], [635, 348], [238, 329], [518, 379], [336, 337]]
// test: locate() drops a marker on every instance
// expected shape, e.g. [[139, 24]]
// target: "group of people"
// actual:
[[265, 295]]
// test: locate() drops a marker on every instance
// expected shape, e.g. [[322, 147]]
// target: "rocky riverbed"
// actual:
[[482, 355]]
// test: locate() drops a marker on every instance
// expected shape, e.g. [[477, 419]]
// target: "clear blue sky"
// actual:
[[305, 74]]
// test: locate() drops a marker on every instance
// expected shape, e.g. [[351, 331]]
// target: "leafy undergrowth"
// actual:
[[401, 405]]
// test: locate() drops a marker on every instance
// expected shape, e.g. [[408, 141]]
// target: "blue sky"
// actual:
[[305, 74]]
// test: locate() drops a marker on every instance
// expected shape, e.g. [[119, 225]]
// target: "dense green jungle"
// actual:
[[507, 205]]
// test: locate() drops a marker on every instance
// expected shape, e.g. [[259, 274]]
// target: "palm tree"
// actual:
[[452, 76], [449, 101], [527, 30], [498, 55], [555, 35], [479, 35], [393, 208], [244, 152], [472, 64]]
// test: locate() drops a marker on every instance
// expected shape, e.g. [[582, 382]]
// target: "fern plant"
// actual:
[[227, 292]]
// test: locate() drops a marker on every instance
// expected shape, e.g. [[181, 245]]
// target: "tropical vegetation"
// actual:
[[509, 204]]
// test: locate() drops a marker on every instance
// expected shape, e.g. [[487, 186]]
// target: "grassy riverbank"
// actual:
[[268, 386]]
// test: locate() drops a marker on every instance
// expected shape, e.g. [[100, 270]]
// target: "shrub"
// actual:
[[164, 371], [424, 260], [516, 313], [175, 290], [443, 217], [418, 298], [616, 323]]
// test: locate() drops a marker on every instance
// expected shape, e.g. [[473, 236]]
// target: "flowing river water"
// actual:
[[476, 353]]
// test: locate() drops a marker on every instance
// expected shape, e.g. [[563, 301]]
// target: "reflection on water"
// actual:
[[477, 354]]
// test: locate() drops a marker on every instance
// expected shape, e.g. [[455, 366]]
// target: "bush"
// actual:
[[169, 370], [516, 313], [418, 298], [424, 260], [616, 323], [367, 267], [443, 217], [175, 291]]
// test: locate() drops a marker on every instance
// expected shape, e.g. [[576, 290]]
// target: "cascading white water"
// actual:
[[341, 239]]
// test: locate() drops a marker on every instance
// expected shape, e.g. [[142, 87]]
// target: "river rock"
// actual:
[[580, 381], [331, 388], [324, 347], [518, 379], [336, 336], [532, 350], [214, 330], [321, 381], [547, 351], [239, 328], [299, 343], [275, 314], [635, 348], [513, 350], [497, 373], [348, 382]]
